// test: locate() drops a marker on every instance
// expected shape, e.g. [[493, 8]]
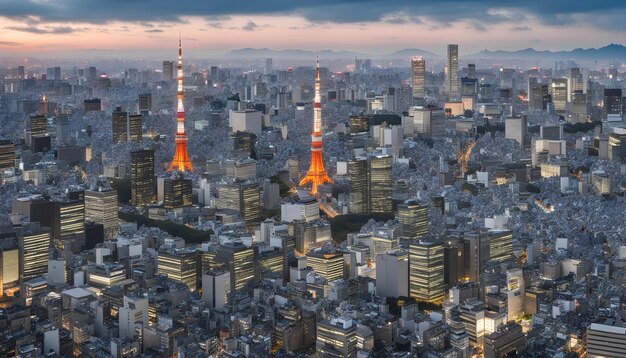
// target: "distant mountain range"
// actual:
[[290, 53], [612, 51], [410, 52]]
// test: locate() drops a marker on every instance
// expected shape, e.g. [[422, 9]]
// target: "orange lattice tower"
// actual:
[[316, 174], [181, 160]]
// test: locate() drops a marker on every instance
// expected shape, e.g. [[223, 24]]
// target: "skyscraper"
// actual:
[[142, 177], [418, 74], [559, 92], [119, 126], [181, 160], [327, 265], [180, 265], [414, 219], [168, 71], [101, 207], [426, 281], [316, 174], [357, 172], [613, 101], [379, 184], [7, 154], [34, 248], [454, 89], [392, 274], [239, 260], [177, 192], [243, 197]]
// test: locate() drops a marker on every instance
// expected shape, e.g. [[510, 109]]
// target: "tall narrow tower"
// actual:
[[181, 160], [316, 174]]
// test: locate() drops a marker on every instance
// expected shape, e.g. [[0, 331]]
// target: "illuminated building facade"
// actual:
[[101, 207], [34, 248], [239, 260], [7, 154], [326, 265], [380, 184], [418, 75], [453, 72], [180, 265], [336, 338], [414, 219], [142, 177], [177, 192], [426, 279]]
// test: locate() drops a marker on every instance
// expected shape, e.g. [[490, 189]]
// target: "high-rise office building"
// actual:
[[516, 128], [216, 288], [515, 288], [559, 93], [453, 84], [617, 147], [327, 265], [7, 155], [606, 338], [471, 71], [379, 184], [613, 101], [177, 192], [101, 207], [243, 197], [392, 274], [180, 265], [538, 94], [133, 315], [357, 172], [574, 83], [239, 260], [34, 250], [426, 281], [66, 220], [142, 177], [269, 66], [9, 261], [145, 102], [336, 338], [119, 126], [38, 125], [125, 127], [168, 71], [413, 218], [418, 77], [482, 248]]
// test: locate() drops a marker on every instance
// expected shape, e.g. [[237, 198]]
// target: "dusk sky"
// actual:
[[210, 28]]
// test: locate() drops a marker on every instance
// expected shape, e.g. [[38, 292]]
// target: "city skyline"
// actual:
[[136, 29]]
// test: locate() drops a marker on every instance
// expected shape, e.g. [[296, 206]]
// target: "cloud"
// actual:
[[604, 14], [520, 28], [153, 30], [44, 31], [10, 43], [250, 26]]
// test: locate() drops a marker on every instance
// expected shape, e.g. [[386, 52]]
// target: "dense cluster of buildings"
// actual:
[[466, 212]]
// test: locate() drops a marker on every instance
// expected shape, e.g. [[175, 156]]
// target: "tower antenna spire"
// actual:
[[317, 173], [181, 160]]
